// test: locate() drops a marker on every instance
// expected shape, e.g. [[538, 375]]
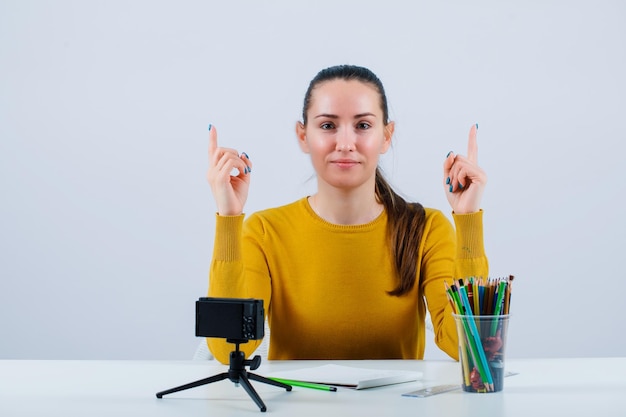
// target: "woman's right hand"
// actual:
[[230, 191]]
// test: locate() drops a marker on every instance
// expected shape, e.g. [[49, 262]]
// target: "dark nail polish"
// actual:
[[460, 185], [476, 126], [210, 126], [245, 154], [450, 188], [448, 154], [448, 180]]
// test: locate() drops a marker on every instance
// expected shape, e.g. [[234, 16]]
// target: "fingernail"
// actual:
[[245, 170], [450, 188], [245, 154], [448, 180], [460, 185], [476, 126], [448, 154], [210, 126]]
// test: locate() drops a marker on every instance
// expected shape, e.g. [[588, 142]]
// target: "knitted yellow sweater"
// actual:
[[325, 286]]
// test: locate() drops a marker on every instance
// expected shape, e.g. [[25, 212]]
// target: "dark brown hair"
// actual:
[[405, 220]]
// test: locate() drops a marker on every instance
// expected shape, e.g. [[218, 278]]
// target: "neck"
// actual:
[[346, 207]]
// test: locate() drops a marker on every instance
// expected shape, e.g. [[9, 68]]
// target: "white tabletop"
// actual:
[[571, 387]]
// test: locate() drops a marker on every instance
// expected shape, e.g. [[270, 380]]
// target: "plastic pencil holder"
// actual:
[[482, 345]]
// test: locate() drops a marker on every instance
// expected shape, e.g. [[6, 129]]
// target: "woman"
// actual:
[[348, 272]]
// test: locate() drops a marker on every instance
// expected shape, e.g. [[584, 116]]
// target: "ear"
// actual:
[[388, 134], [301, 133]]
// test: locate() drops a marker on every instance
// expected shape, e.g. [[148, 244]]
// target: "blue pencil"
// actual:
[[476, 336]]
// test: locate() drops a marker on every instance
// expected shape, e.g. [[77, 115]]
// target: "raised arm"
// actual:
[[229, 177]]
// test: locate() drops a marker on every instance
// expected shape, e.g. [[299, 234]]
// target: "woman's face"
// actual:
[[345, 133]]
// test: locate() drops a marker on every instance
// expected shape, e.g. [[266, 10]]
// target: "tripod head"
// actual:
[[238, 361]]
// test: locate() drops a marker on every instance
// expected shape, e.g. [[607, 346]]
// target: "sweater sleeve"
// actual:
[[471, 260], [227, 277], [450, 254]]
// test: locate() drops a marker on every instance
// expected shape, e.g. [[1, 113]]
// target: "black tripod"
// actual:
[[236, 373]]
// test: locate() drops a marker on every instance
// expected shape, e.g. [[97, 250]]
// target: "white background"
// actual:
[[106, 219]]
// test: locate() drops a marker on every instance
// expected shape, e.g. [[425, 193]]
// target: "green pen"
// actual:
[[306, 384]]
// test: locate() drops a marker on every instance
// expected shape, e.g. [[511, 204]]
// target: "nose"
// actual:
[[345, 141]]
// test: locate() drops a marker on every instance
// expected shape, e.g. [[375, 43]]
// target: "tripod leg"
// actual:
[[268, 381], [245, 383], [204, 381]]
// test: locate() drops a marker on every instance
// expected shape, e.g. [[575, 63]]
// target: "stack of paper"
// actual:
[[348, 376]]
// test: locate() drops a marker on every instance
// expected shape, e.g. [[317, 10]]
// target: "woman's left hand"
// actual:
[[464, 181]]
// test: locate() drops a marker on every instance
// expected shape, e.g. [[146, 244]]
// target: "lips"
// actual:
[[344, 163]]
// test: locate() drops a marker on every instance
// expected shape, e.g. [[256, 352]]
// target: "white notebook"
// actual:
[[348, 376]]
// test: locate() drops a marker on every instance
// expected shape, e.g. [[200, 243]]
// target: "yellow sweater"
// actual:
[[325, 286]]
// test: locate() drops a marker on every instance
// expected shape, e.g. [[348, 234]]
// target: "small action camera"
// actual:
[[230, 318]]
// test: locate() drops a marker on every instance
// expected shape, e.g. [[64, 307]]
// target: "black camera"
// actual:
[[230, 318]]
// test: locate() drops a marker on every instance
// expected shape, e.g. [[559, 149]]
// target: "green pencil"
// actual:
[[499, 304], [306, 384]]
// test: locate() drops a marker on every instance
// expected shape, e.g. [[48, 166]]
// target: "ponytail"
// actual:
[[405, 223]]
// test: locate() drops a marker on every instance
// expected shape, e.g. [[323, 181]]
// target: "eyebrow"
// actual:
[[334, 116]]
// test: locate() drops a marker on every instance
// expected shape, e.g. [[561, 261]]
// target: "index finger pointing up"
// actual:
[[212, 139], [472, 145]]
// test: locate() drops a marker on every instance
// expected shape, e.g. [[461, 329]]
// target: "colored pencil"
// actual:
[[304, 384]]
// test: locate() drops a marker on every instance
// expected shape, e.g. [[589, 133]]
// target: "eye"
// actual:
[[363, 125], [327, 126]]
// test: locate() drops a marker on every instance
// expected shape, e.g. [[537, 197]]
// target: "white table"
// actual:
[[543, 387]]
